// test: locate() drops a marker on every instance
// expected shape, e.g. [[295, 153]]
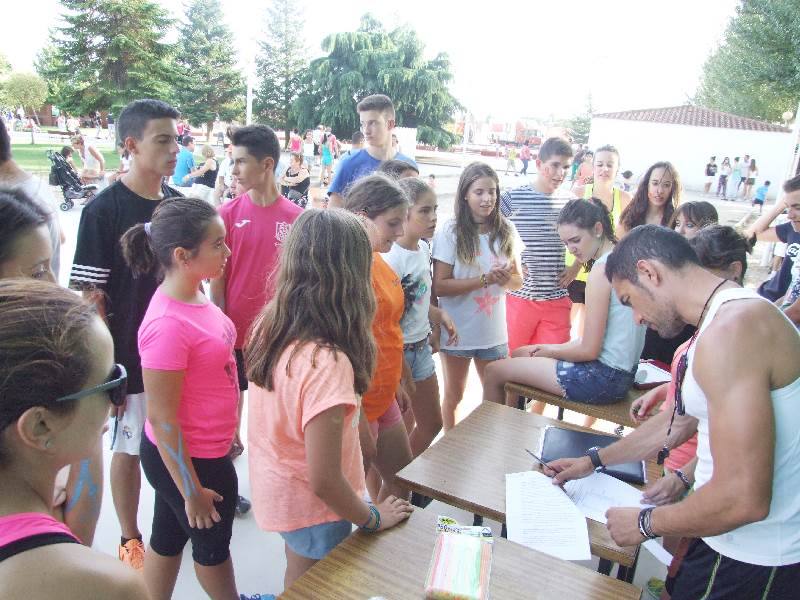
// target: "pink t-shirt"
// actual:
[[254, 234], [679, 456], [317, 380], [197, 339]]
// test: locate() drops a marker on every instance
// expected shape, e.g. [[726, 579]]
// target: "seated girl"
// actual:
[[599, 367], [690, 217]]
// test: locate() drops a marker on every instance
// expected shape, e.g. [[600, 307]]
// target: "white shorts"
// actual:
[[709, 179], [130, 427]]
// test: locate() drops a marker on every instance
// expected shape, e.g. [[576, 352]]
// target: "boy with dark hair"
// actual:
[[761, 196], [377, 116], [256, 223], [539, 312], [147, 129], [185, 164]]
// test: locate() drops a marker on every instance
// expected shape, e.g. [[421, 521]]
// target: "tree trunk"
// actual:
[[209, 131]]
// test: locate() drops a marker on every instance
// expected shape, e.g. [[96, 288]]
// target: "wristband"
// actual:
[[646, 523], [483, 280], [373, 512], [684, 479]]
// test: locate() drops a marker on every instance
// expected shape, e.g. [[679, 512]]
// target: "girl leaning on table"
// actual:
[[599, 367], [476, 260], [310, 356]]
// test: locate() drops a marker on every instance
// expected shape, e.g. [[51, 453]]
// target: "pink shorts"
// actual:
[[537, 321], [387, 420]]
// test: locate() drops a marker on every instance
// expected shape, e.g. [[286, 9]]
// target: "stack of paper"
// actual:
[[541, 516]]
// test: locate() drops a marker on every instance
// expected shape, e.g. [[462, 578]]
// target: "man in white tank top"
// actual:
[[740, 387]]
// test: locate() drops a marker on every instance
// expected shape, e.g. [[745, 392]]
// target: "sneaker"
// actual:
[[132, 554], [242, 506]]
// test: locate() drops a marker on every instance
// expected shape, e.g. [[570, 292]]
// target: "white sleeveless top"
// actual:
[[775, 541]]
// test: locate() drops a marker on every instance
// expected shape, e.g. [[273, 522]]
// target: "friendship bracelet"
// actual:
[[373, 512], [682, 476], [483, 280], [646, 523]]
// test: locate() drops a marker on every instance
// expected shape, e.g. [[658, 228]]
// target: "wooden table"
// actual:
[[394, 564], [467, 468], [618, 412]]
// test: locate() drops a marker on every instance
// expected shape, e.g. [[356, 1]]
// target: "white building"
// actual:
[[688, 136]]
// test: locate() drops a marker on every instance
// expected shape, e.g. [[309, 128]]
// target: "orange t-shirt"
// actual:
[[681, 455], [388, 338], [281, 489]]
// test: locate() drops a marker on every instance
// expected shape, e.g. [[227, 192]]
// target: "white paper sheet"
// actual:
[[598, 492], [541, 516]]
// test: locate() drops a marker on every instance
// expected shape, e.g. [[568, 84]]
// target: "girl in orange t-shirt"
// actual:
[[310, 356], [383, 205]]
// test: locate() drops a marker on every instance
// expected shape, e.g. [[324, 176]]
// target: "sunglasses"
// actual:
[[115, 385]]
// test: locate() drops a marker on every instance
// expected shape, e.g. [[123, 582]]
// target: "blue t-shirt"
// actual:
[[776, 287], [761, 193], [183, 168], [358, 165]]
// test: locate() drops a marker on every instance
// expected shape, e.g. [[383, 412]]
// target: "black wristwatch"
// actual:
[[594, 455]]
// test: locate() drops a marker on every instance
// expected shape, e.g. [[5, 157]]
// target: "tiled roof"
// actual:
[[693, 115]]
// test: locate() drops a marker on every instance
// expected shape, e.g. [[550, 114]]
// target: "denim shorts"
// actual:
[[317, 540], [420, 361], [593, 382], [493, 353]]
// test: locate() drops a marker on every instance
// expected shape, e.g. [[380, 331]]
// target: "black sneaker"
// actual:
[[243, 506]]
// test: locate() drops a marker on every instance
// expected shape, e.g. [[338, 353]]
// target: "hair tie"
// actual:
[[147, 227]]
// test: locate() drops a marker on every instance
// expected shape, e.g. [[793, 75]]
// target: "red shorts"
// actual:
[[537, 321], [387, 420]]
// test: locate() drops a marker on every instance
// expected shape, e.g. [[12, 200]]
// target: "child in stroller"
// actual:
[[63, 175]]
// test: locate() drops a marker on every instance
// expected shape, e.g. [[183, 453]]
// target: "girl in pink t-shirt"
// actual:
[[310, 356], [186, 345]]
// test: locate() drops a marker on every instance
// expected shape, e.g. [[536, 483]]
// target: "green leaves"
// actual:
[[756, 70], [371, 61]]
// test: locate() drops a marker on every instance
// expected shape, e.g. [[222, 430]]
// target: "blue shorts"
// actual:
[[493, 353], [593, 382], [317, 540], [420, 361]]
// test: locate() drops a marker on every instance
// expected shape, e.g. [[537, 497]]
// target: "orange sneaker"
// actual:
[[132, 554]]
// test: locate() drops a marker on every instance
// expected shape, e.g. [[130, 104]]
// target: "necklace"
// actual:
[[705, 306]]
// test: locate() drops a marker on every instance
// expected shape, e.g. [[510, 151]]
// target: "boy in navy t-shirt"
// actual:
[[377, 115]]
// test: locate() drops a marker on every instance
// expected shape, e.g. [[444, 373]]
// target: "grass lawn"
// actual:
[[32, 157]]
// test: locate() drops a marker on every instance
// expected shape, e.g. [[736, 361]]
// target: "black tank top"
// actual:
[[209, 178]]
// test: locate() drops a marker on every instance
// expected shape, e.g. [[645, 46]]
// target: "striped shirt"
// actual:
[[535, 215]]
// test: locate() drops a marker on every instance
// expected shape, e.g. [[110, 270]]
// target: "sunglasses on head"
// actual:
[[115, 385]]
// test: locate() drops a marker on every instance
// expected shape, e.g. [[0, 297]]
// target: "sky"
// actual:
[[532, 59]]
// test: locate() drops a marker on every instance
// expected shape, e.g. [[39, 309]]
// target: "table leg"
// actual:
[[560, 413], [477, 520], [521, 402], [627, 573], [503, 531], [419, 500], [604, 566]]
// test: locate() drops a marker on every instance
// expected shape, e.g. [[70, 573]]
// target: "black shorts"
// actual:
[[171, 529], [243, 385], [577, 291], [316, 149], [707, 574]]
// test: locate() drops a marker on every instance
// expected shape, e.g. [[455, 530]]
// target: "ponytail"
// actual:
[[585, 214]]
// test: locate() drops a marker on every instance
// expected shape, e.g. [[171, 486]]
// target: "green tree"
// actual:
[[756, 70], [27, 90], [106, 54], [280, 63], [207, 83], [371, 61], [5, 66]]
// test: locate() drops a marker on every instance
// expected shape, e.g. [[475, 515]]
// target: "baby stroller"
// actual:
[[63, 175]]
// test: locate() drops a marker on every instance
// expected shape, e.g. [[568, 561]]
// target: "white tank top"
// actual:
[[775, 541]]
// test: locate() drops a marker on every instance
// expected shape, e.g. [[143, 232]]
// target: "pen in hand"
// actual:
[[539, 460]]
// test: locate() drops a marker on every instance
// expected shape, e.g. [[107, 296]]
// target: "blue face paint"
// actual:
[[166, 427], [189, 487], [84, 481]]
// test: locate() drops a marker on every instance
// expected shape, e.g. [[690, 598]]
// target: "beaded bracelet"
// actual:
[[373, 512], [646, 523], [484, 283], [684, 479]]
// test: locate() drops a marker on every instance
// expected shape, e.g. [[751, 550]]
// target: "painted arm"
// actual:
[[163, 389]]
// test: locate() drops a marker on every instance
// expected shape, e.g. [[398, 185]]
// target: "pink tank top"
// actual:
[[25, 531]]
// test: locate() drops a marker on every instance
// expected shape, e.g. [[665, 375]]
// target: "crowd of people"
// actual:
[[329, 319]]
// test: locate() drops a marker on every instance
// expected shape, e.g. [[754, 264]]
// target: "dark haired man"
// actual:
[[148, 130], [377, 117], [739, 389], [256, 223]]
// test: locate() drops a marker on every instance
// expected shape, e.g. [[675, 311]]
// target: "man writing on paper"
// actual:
[[738, 387]]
